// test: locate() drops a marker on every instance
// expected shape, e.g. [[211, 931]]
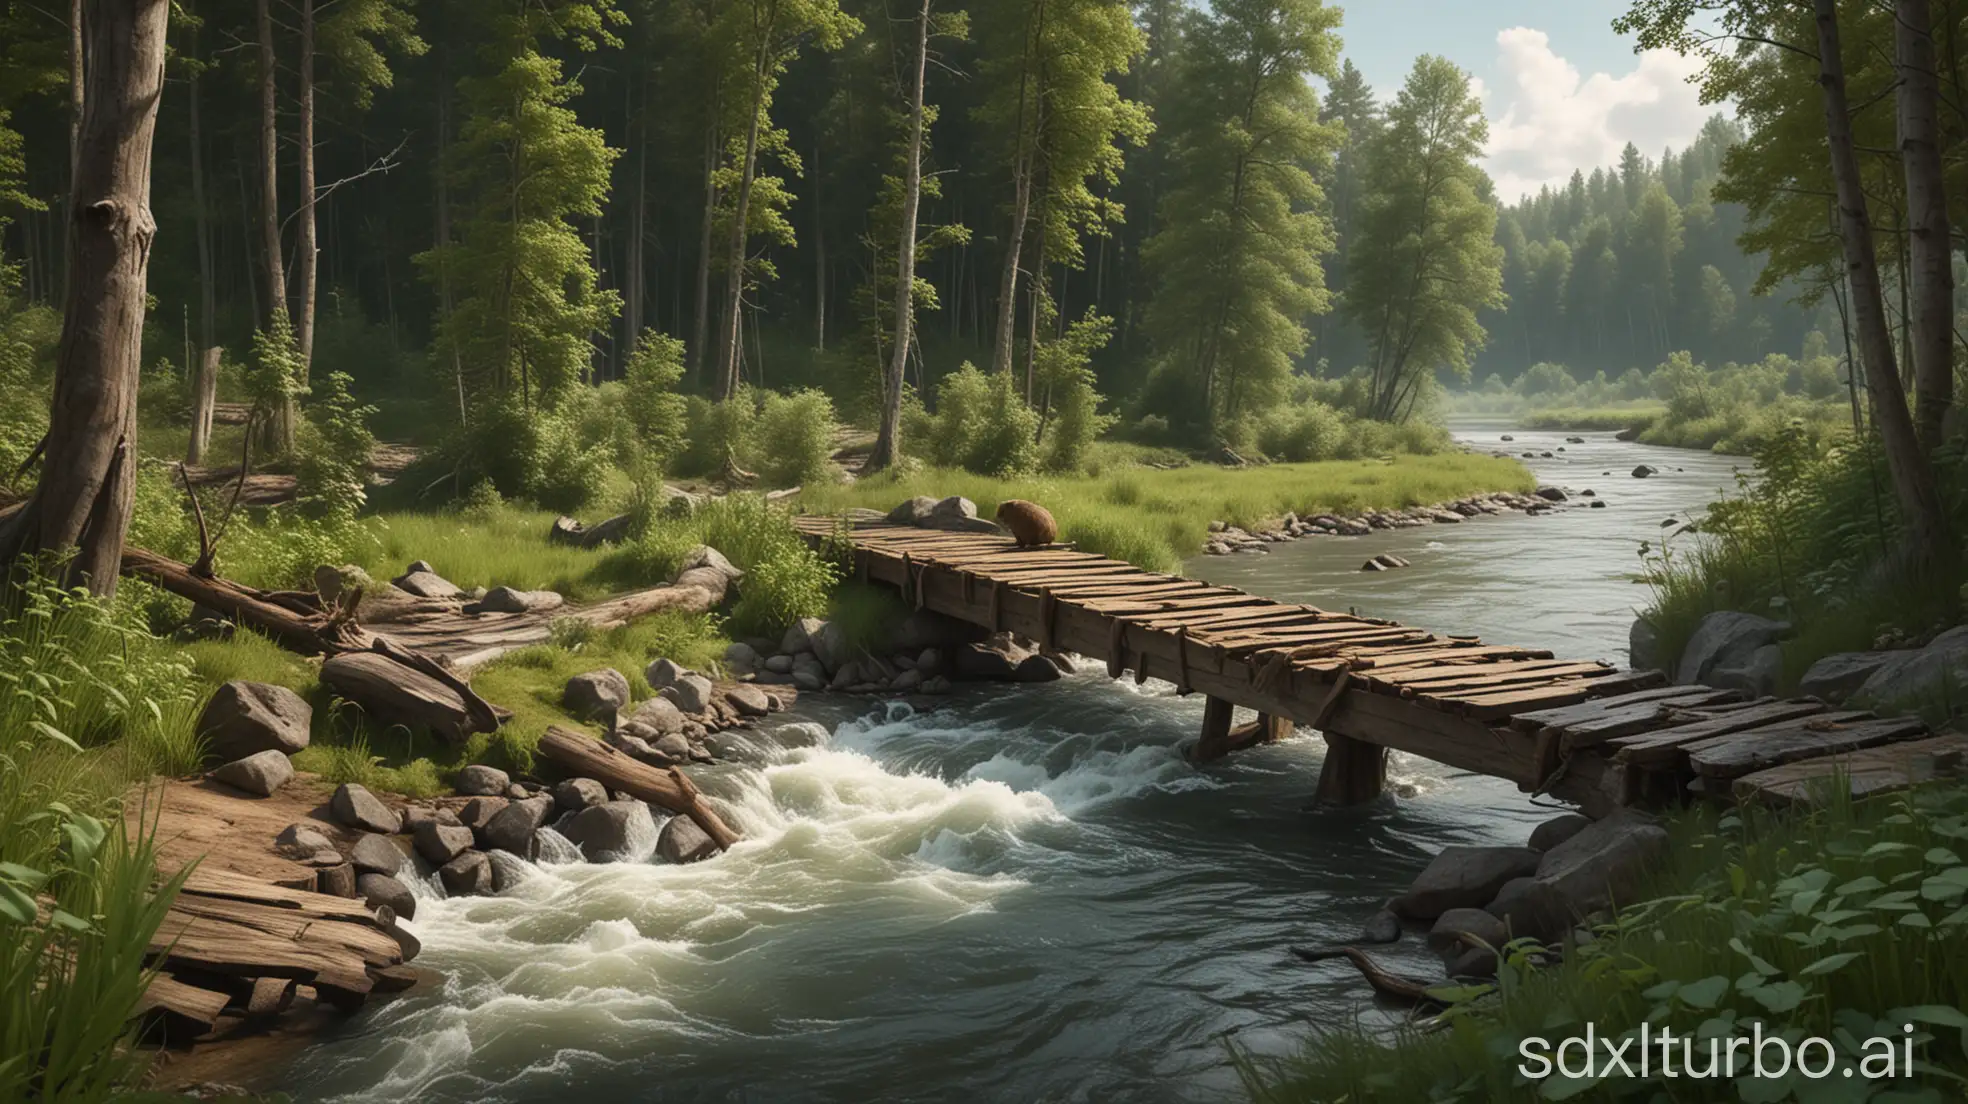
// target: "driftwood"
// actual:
[[586, 757], [1384, 983], [396, 694]]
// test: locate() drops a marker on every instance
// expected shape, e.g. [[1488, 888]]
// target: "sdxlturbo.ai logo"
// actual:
[[1662, 1053]]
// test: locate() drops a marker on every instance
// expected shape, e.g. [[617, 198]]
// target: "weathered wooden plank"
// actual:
[[167, 994], [1632, 719], [1664, 747], [1490, 707], [1446, 674], [1441, 652], [376, 947], [1533, 720], [1741, 753], [218, 947], [1864, 773], [1451, 689], [214, 881]]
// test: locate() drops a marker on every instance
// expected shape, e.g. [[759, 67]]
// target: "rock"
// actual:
[[925, 628], [662, 673], [260, 773], [1463, 877], [504, 599], [1532, 909], [613, 531], [246, 718], [674, 747], [930, 661], [517, 792], [1643, 471], [938, 684], [749, 701], [577, 794], [468, 875], [1381, 927], [356, 807], [805, 679], [479, 811], [1475, 963], [1557, 830], [830, 645], [1937, 669], [994, 659], [596, 694], [956, 514], [1757, 675], [916, 511], [658, 716], [420, 567], [1725, 638], [302, 841], [1604, 865], [909, 680], [333, 582], [799, 636], [335, 881], [683, 842], [1643, 646], [742, 657], [376, 855], [440, 843], [618, 831], [1463, 929], [779, 665], [386, 891], [1598, 504], [690, 693], [1036, 668], [848, 675], [479, 780], [426, 583], [414, 815], [513, 828], [1837, 677], [1551, 494]]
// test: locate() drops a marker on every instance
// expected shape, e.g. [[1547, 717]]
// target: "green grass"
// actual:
[[503, 546], [1594, 419], [1847, 918], [1158, 518]]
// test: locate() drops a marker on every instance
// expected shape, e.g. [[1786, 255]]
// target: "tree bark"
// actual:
[[633, 285], [306, 250], [586, 757], [204, 400], [1021, 209], [1913, 477], [1929, 248], [82, 502], [888, 439], [730, 349], [700, 333], [201, 214], [281, 425]]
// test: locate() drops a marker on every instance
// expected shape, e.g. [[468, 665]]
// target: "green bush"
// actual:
[[535, 454], [658, 412], [719, 433], [982, 425], [1306, 431], [335, 450], [795, 438], [1072, 420]]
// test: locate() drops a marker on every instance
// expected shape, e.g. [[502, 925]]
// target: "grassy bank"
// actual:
[[1600, 419], [1844, 923], [1158, 518]]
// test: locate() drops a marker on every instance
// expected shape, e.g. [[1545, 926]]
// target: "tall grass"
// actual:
[[1844, 921]]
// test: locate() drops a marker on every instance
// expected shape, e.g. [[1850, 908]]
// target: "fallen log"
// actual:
[[309, 634], [586, 757], [1384, 983], [398, 695]]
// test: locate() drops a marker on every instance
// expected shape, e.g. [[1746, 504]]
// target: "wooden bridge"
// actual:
[[1582, 731]]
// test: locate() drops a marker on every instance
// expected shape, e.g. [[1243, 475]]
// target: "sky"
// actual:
[[1560, 88]]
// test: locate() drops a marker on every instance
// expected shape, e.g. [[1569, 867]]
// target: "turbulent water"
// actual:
[[1022, 895]]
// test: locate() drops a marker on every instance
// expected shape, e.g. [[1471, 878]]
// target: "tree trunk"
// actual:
[[201, 215], [632, 280], [1929, 246], [82, 502], [281, 425], [444, 240], [888, 440], [730, 350], [1021, 210], [307, 253], [819, 257], [204, 399], [586, 757], [1913, 478], [700, 333], [1036, 289]]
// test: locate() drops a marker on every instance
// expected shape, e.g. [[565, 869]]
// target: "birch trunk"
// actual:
[[281, 429], [731, 350], [1929, 247], [888, 438], [307, 250], [700, 333]]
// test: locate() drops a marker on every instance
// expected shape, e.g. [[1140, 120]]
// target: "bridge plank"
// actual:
[[1664, 747], [1741, 753], [1568, 715], [1449, 687], [1894, 766], [1449, 670], [1631, 719]]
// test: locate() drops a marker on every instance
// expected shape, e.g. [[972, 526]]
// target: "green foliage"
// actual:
[[334, 467], [795, 438], [560, 459], [657, 411], [720, 432], [273, 379], [1072, 419], [982, 425]]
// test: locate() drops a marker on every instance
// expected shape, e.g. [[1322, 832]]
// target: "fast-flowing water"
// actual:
[[1023, 895]]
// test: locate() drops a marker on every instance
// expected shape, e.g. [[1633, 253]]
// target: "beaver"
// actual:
[[1030, 523]]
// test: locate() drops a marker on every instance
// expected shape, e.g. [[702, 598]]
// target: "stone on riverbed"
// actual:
[[259, 774], [302, 842], [512, 829], [1604, 865], [385, 890], [618, 831], [479, 780], [1462, 929], [577, 794], [1725, 639], [689, 692], [1837, 677], [1557, 830], [440, 843], [1464, 877], [742, 657], [376, 855], [245, 718], [468, 875], [749, 701], [659, 716], [356, 807], [683, 841], [595, 694]]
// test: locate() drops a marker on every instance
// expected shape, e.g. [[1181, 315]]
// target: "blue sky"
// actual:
[[1560, 88]]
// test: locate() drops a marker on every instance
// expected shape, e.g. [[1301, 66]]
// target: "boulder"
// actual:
[[1475, 963], [618, 831], [479, 780], [706, 568], [1381, 927], [246, 718], [302, 842], [781, 664], [742, 657], [595, 694], [333, 582], [957, 514], [830, 645], [1036, 668], [440, 843], [505, 599], [576, 794], [356, 807], [1725, 638], [662, 673], [690, 693], [513, 828], [259, 774], [1756, 675], [426, 583], [930, 661], [420, 567], [916, 511], [335, 881], [912, 678], [658, 715], [479, 811], [848, 675], [1532, 909], [1643, 471], [749, 701], [806, 678], [1643, 646], [386, 891], [683, 842], [1837, 677], [675, 747], [613, 531], [1463, 929], [1463, 877], [468, 875], [1557, 830], [1605, 865], [939, 684], [799, 636], [1940, 667], [628, 741], [376, 855]]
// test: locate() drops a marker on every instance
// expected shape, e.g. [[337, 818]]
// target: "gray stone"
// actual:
[[849, 675], [916, 511], [1557, 830], [957, 514], [479, 780], [468, 875], [386, 891], [1551, 494], [1643, 471], [505, 599], [1036, 668], [513, 828], [260, 773], [302, 841], [1725, 638], [1837, 677], [613, 832], [1463, 877], [246, 718], [749, 701], [1607, 863], [1756, 675], [1643, 646], [426, 584], [333, 582], [799, 636], [910, 679], [937, 685], [742, 657], [674, 747], [478, 812], [376, 855], [517, 792], [659, 715], [1915, 676], [662, 673], [1462, 929], [830, 645], [335, 881], [930, 661], [1475, 963], [356, 807], [807, 680], [420, 567], [683, 842], [440, 843], [596, 694], [994, 659], [690, 693], [1532, 909], [576, 794], [1381, 927], [780, 664]]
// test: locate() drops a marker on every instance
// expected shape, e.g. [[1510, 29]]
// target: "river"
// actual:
[[1023, 895]]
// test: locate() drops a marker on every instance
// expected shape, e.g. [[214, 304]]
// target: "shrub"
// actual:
[[1307, 431], [780, 590], [983, 425], [658, 412], [795, 438], [719, 433], [334, 468], [1072, 419]]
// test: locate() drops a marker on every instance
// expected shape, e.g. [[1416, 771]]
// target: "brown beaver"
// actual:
[[1029, 522]]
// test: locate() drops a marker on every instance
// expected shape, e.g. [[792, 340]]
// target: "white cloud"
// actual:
[[1545, 120]]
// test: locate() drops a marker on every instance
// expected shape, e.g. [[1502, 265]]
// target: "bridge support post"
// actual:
[[1354, 773], [1219, 738]]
